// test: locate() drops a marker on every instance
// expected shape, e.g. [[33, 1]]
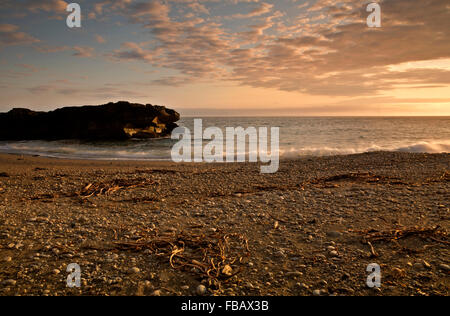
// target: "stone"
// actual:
[[10, 282], [134, 270], [334, 234], [201, 290], [303, 286], [276, 225], [317, 292], [419, 266], [227, 270], [157, 293], [444, 267], [294, 274]]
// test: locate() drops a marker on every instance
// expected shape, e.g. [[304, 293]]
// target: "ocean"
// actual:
[[299, 137]]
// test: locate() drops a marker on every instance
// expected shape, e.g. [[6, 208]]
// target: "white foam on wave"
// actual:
[[58, 149], [432, 147], [426, 147]]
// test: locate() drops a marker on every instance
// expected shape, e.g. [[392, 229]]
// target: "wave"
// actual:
[[73, 150], [161, 150], [425, 147], [420, 147]]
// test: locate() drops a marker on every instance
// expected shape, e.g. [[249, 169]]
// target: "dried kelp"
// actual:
[[109, 187], [216, 256], [434, 233], [364, 177]]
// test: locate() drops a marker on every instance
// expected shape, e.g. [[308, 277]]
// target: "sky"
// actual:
[[229, 57]]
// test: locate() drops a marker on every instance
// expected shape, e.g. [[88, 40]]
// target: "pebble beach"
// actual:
[[164, 229]]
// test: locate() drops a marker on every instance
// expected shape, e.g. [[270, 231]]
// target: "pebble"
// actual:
[[56, 271], [444, 267], [319, 292], [419, 266], [201, 290], [334, 253], [276, 225], [157, 293], [7, 259], [323, 283], [135, 270], [303, 286], [294, 274], [334, 234], [10, 282], [227, 270]]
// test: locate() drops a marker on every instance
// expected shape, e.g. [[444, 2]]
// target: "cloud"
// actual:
[[261, 9], [320, 47], [134, 52], [56, 6], [83, 51], [100, 39], [22, 8], [75, 89], [340, 56], [51, 49], [10, 35]]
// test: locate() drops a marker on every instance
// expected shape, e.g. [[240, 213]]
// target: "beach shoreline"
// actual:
[[310, 229]]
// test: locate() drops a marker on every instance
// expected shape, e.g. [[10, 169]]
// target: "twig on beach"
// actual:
[[366, 177], [98, 189], [439, 240], [397, 234], [445, 177], [107, 188], [372, 250]]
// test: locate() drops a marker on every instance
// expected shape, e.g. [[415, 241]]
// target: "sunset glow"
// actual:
[[233, 57]]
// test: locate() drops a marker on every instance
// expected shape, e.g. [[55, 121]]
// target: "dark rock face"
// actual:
[[112, 121]]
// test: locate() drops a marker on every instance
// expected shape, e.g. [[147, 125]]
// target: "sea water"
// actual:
[[299, 137]]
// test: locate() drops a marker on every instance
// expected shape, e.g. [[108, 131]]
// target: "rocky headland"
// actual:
[[112, 121]]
